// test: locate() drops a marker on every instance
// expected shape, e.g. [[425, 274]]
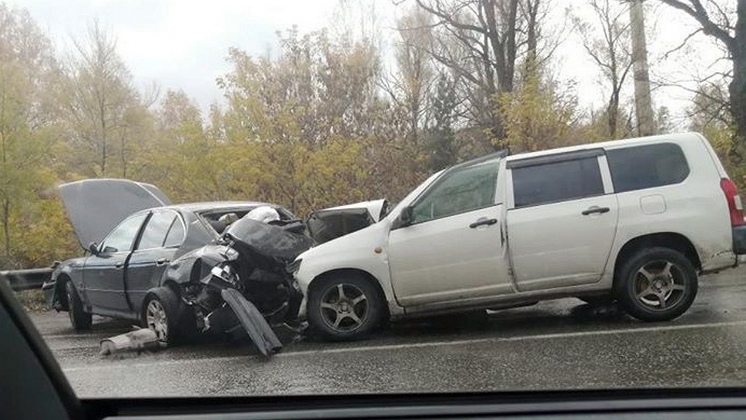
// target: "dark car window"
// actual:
[[156, 230], [175, 234], [122, 238], [652, 165], [559, 181], [463, 190]]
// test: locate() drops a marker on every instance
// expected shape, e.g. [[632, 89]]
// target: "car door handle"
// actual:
[[483, 222], [161, 261], [118, 264], [595, 209]]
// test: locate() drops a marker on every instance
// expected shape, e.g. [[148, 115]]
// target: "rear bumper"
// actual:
[[739, 240]]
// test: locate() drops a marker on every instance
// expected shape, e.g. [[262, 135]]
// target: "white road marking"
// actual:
[[384, 347], [517, 338]]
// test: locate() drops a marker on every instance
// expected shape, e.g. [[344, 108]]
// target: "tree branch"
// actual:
[[683, 43], [698, 12]]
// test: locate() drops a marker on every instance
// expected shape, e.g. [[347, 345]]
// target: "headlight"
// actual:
[[294, 266]]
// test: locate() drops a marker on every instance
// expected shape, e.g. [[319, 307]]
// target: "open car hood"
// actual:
[[96, 206], [327, 224]]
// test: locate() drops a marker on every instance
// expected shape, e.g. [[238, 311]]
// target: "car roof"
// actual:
[[678, 138], [216, 206], [220, 205]]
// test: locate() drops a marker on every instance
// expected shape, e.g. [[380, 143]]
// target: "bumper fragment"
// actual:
[[739, 240]]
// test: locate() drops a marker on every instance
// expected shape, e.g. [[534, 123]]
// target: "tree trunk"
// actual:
[[737, 88], [643, 103], [612, 112], [532, 38]]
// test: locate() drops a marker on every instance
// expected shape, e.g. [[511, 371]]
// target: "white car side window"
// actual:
[[557, 181], [463, 190]]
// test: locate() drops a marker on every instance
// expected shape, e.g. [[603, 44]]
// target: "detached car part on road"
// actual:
[[632, 220]]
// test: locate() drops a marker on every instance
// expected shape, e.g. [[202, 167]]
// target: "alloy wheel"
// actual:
[[659, 284], [156, 319], [344, 307]]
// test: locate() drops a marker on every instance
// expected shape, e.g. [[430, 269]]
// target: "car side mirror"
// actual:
[[93, 247], [404, 219], [108, 250]]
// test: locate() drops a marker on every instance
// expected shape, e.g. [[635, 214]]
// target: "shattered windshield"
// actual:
[[359, 196]]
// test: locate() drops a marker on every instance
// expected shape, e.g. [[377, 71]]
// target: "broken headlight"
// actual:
[[225, 273]]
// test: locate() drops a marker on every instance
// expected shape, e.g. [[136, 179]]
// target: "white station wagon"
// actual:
[[634, 220]]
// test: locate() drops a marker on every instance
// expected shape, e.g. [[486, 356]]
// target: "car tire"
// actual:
[[345, 307], [162, 312], [79, 318], [656, 284]]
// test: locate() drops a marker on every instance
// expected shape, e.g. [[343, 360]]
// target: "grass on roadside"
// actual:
[[32, 300]]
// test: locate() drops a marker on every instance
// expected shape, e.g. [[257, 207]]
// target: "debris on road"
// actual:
[[139, 340], [253, 322]]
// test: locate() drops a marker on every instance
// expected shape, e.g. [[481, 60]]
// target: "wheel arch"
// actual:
[[170, 284], [671, 240], [60, 297]]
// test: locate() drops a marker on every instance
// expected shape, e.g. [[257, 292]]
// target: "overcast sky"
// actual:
[[182, 44]]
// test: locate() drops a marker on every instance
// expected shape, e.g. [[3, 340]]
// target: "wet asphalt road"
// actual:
[[557, 344]]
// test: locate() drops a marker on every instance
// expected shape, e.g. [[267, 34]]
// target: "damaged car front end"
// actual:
[[245, 285], [241, 284]]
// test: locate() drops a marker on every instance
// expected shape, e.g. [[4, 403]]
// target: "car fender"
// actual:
[[54, 290], [364, 250]]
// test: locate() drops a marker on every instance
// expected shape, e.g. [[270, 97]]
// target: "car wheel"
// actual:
[[80, 319], [162, 310], [345, 307], [656, 284]]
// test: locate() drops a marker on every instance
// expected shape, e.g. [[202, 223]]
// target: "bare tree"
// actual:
[[100, 103], [410, 85], [489, 46], [478, 40], [607, 42], [726, 26]]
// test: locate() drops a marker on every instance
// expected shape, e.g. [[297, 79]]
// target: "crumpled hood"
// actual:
[[96, 206], [332, 223]]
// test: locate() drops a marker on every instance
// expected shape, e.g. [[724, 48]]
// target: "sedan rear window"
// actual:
[[175, 234], [156, 230]]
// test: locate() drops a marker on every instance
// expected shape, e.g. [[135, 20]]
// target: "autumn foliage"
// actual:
[[323, 119]]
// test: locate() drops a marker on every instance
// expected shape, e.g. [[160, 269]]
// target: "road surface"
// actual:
[[558, 344]]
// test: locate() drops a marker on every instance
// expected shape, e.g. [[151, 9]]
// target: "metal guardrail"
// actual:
[[28, 279]]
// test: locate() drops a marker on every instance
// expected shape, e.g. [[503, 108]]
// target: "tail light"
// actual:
[[735, 207]]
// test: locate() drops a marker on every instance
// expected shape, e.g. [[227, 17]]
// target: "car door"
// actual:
[[453, 248], [561, 220], [160, 239], [103, 273]]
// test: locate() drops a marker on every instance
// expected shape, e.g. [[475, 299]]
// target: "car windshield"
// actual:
[[197, 198]]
